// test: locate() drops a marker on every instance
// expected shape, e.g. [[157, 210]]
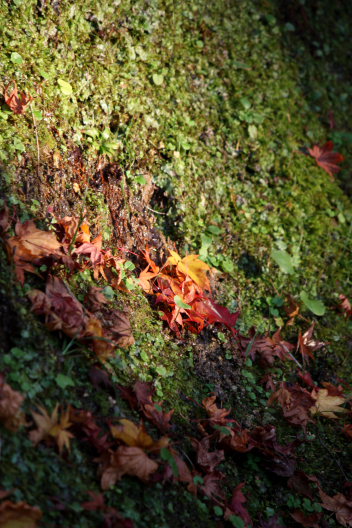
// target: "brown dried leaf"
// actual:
[[11, 414], [296, 403], [30, 246], [61, 308], [340, 505], [127, 460], [310, 520], [19, 515], [206, 459], [217, 415]]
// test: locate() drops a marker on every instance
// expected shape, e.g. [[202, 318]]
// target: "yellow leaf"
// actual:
[[131, 434], [191, 266], [325, 404]]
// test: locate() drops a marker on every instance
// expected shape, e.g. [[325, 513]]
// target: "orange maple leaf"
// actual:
[[17, 102], [52, 427], [191, 266]]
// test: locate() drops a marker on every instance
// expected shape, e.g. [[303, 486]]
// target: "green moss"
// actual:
[[213, 103]]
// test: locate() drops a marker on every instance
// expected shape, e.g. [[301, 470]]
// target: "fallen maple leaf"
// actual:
[[11, 414], [236, 506], [308, 520], [51, 427], [137, 436], [154, 413], [17, 102], [211, 487], [301, 483], [61, 308], [347, 430], [279, 458], [191, 266], [307, 345], [340, 505], [326, 405], [207, 460], [19, 515], [127, 460], [217, 415], [345, 306], [296, 402], [326, 158], [30, 246], [97, 502], [267, 348]]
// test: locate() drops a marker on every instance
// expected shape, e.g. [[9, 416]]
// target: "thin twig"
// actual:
[[37, 139], [291, 356], [157, 212]]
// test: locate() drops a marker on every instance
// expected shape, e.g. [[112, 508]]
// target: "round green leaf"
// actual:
[[283, 260], [16, 58], [64, 381], [158, 79], [65, 87], [317, 307]]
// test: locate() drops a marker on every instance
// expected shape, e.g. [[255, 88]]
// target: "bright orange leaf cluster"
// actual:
[[182, 291]]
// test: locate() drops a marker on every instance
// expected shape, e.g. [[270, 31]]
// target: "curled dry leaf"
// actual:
[[279, 459], [326, 405], [326, 158], [64, 312], [11, 415], [345, 306], [217, 416], [127, 460], [340, 505], [267, 348], [52, 427], [30, 246], [308, 520], [211, 487], [296, 402], [307, 345], [206, 459], [17, 102], [61, 308], [19, 515]]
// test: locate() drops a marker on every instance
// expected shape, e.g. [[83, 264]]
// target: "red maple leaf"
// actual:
[[326, 158]]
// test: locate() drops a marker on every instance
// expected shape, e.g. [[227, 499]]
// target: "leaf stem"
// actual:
[[37, 139]]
